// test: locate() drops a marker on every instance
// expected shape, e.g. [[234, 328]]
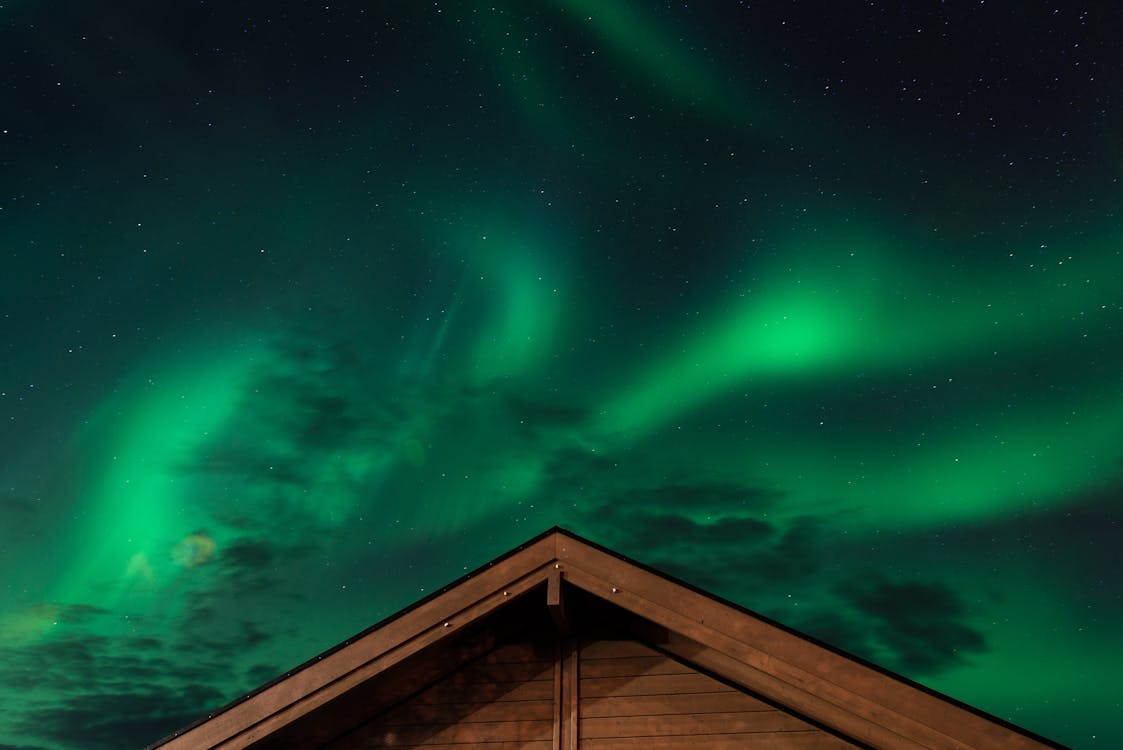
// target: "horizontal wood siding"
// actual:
[[631, 696], [502, 701], [810, 740]]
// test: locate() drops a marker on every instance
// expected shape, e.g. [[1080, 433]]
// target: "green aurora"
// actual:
[[308, 310]]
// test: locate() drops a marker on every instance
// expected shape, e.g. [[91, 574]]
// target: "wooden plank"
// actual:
[[438, 713], [487, 680], [524, 745], [614, 649], [570, 694], [730, 722], [655, 684], [487, 672], [654, 705], [632, 666], [781, 741], [446, 693], [555, 602], [556, 735], [522, 652], [500, 731]]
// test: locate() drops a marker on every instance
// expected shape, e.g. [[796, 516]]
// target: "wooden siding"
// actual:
[[504, 700], [631, 696], [627, 696]]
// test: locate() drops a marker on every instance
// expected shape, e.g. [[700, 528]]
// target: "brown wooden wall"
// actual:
[[502, 701], [628, 696], [634, 697]]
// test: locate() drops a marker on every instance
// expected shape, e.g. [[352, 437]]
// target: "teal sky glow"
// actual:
[[313, 308]]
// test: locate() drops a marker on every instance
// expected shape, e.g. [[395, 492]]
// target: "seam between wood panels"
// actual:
[[571, 698], [558, 716]]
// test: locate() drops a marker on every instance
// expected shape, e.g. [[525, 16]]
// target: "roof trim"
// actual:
[[859, 699]]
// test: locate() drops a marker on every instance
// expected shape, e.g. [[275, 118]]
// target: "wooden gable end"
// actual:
[[632, 696], [537, 689], [564, 645]]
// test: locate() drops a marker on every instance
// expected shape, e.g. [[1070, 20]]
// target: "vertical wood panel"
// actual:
[[556, 737], [570, 693]]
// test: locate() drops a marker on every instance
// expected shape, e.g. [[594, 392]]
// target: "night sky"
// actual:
[[306, 309]]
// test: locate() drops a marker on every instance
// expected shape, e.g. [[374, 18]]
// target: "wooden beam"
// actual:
[[555, 602], [569, 693], [558, 718]]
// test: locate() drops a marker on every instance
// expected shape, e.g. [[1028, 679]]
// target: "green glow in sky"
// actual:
[[314, 308], [139, 504], [657, 54], [850, 308]]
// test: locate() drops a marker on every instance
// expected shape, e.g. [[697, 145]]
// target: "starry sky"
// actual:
[[308, 308]]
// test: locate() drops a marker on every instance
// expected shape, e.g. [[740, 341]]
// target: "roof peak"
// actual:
[[853, 698]]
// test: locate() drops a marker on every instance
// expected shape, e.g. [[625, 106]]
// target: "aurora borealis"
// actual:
[[307, 309]]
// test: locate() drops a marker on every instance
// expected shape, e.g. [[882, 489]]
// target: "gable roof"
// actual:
[[578, 584]]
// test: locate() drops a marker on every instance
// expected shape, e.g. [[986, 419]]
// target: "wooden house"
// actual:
[[562, 644]]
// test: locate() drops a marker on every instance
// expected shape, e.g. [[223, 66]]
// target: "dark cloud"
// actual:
[[259, 674], [145, 644], [207, 629], [709, 497], [252, 635], [18, 510], [83, 660], [570, 471], [92, 686], [97, 721], [21, 519], [326, 419], [79, 613], [537, 414], [1067, 547], [923, 625], [798, 553], [243, 460], [723, 538], [653, 528], [668, 515], [745, 559], [249, 565], [1079, 540], [719, 536], [247, 553], [311, 420], [836, 628]]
